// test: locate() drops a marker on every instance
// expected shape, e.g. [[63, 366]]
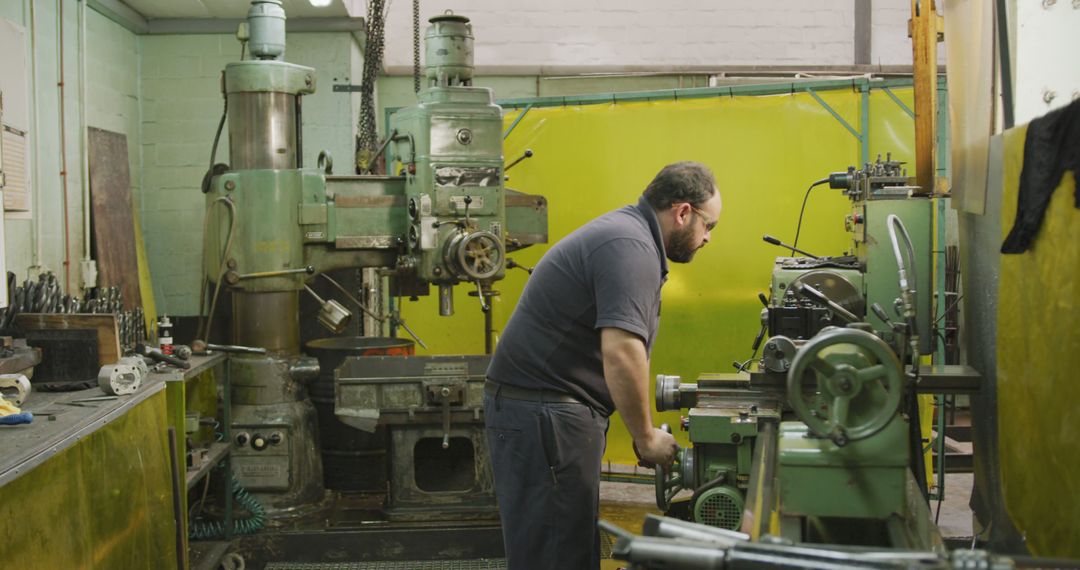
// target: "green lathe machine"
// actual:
[[820, 442], [445, 218]]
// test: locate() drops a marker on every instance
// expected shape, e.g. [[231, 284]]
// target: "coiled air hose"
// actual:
[[203, 529]]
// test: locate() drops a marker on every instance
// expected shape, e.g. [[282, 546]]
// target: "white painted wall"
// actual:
[[649, 33], [112, 103], [1046, 75]]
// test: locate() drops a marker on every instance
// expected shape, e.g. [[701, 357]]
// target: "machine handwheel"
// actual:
[[841, 375], [669, 481], [480, 255]]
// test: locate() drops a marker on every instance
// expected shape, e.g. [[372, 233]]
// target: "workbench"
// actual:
[[90, 484], [59, 425]]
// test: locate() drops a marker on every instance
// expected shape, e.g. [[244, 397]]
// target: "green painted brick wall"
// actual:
[[181, 107], [162, 92], [112, 103]]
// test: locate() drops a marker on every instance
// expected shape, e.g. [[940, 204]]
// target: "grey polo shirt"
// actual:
[[606, 274]]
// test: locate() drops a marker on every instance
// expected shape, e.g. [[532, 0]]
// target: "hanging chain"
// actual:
[[416, 45], [367, 135]]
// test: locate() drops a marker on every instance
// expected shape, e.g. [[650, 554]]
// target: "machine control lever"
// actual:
[[444, 395], [201, 347], [881, 314], [511, 264], [528, 154], [161, 357], [309, 270], [769, 239]]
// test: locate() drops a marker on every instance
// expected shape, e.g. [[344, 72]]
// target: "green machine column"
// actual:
[[274, 452]]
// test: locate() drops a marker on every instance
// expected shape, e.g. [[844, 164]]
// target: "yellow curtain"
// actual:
[[1039, 353], [764, 150]]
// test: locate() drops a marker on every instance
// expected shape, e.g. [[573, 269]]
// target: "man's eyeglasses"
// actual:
[[709, 226]]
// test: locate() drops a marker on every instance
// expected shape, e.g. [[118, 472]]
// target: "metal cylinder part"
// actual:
[[446, 300], [668, 392], [268, 320], [304, 369], [14, 387], [138, 362], [448, 51], [266, 24], [262, 130], [119, 379], [779, 352], [334, 317], [259, 380]]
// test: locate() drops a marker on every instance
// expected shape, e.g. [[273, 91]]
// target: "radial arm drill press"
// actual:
[[275, 224]]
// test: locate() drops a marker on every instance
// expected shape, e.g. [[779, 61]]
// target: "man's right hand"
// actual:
[[657, 448]]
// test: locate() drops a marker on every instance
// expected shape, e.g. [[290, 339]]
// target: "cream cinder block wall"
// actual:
[[642, 33], [182, 103], [112, 103]]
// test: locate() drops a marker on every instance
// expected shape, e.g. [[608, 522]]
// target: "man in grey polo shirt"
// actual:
[[577, 349]]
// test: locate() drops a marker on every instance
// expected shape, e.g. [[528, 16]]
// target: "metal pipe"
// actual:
[[35, 161], [63, 143], [355, 301], [83, 146], [318, 299], [570, 72], [179, 509], [666, 527], [235, 348], [647, 550], [908, 294], [261, 274]]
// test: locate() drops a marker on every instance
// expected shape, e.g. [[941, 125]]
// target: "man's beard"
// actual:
[[681, 247]]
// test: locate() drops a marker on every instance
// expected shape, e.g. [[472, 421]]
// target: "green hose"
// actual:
[[204, 529]]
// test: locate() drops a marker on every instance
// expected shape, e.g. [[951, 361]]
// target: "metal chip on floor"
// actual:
[[492, 564]]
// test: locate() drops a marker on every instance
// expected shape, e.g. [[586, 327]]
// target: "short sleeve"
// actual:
[[626, 280]]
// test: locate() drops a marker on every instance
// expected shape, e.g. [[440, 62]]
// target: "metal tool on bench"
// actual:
[[161, 357]]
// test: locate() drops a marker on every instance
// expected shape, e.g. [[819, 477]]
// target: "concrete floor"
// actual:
[[626, 504]]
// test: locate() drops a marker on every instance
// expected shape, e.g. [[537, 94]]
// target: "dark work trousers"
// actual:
[[546, 461]]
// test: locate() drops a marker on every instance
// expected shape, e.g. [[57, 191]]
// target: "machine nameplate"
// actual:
[[518, 200], [315, 235], [263, 473], [366, 242], [459, 202], [370, 201], [446, 369]]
